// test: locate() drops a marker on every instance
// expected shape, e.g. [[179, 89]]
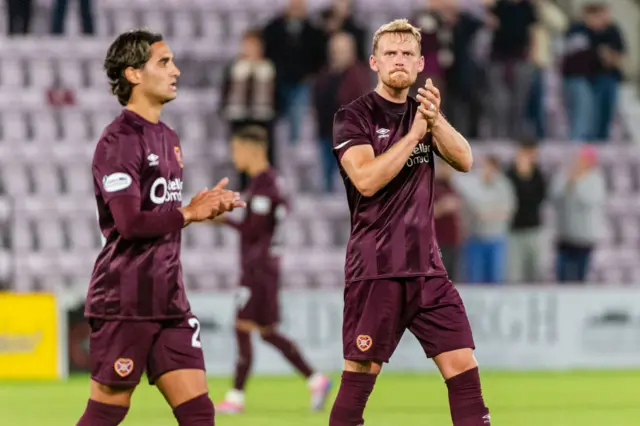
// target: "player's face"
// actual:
[[159, 76], [397, 60], [240, 154]]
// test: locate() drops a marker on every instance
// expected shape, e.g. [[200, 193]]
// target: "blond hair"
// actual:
[[399, 26]]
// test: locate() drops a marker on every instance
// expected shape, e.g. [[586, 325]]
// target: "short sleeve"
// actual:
[[116, 166], [348, 130]]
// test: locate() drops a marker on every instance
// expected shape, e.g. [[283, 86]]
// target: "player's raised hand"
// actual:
[[429, 98], [230, 200], [420, 124]]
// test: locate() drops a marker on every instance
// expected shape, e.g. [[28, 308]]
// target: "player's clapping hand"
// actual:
[[229, 200], [210, 203], [429, 98]]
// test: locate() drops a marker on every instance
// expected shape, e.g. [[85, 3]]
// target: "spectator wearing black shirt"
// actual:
[[19, 16], [591, 73], [511, 70], [297, 48], [610, 47], [530, 188], [339, 18]]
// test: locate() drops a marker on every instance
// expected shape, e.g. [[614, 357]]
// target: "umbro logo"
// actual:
[[383, 133], [153, 159], [487, 419]]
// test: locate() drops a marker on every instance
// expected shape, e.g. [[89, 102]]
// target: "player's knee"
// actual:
[[266, 333], [455, 362], [367, 367], [245, 326], [114, 395]]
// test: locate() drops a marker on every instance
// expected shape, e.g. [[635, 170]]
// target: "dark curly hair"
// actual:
[[130, 49]]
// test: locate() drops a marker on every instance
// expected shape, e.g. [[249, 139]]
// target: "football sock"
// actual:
[[245, 359], [99, 414], [465, 400], [290, 351], [198, 411], [348, 408]]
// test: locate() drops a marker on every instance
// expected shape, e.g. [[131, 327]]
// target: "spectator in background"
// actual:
[[248, 90], [552, 22], [298, 50], [339, 18], [489, 203], [344, 80], [511, 70], [436, 58], [525, 254], [464, 75], [610, 47], [578, 70], [592, 70], [19, 16], [59, 16], [578, 195], [446, 211]]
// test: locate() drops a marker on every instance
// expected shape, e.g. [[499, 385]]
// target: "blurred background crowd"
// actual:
[[537, 86]]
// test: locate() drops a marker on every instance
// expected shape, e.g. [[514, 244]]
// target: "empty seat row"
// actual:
[[45, 73], [77, 126]]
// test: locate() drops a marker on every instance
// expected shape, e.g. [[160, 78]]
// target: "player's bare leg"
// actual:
[[358, 380], [319, 384], [107, 406], [234, 399], [187, 393], [459, 368]]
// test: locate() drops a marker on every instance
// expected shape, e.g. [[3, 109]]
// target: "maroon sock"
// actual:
[[348, 408], [245, 359], [465, 400], [198, 411], [99, 414], [290, 351]]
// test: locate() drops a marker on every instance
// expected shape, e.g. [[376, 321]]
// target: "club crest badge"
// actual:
[[123, 366], [364, 342]]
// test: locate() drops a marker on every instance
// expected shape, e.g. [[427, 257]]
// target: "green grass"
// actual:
[[515, 399]]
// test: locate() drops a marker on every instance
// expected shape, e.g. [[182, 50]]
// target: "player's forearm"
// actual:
[[134, 224], [376, 174], [452, 146]]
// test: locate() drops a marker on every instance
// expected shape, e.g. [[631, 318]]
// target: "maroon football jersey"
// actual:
[[392, 233], [261, 228], [137, 279]]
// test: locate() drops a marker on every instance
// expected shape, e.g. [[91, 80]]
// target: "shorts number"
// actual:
[[242, 297], [195, 338]]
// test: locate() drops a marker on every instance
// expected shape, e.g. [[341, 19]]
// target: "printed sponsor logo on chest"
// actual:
[[421, 154]]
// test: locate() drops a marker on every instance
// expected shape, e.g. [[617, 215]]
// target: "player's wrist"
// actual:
[[187, 214]]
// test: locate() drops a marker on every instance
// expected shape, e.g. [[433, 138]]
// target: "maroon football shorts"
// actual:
[[122, 350], [377, 312], [257, 298]]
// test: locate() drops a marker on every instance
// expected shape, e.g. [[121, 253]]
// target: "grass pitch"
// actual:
[[515, 399]]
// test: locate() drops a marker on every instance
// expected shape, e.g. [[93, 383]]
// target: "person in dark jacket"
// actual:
[[344, 80]]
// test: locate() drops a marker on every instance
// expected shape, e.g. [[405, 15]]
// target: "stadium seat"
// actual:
[[11, 73], [41, 72]]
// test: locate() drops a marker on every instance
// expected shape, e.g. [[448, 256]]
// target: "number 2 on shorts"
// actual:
[[195, 338]]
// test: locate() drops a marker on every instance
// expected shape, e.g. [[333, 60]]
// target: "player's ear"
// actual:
[[421, 64], [133, 75], [373, 63]]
